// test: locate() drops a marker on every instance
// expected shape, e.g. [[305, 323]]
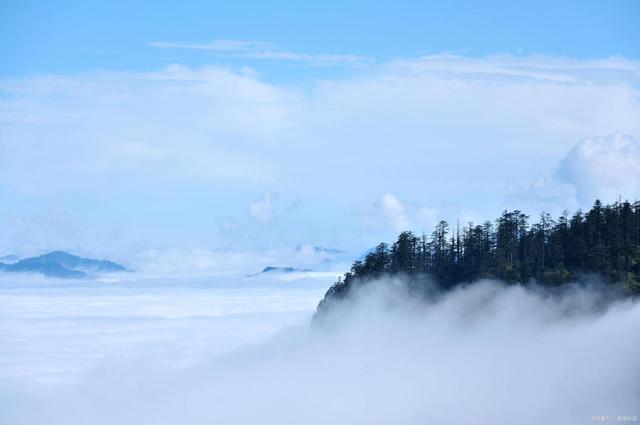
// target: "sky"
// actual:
[[223, 136]]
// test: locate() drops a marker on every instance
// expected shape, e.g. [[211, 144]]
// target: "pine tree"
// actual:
[[604, 241]]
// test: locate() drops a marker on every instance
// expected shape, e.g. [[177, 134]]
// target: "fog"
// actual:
[[245, 352]]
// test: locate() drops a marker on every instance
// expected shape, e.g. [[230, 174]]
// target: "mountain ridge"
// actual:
[[602, 242], [62, 264]]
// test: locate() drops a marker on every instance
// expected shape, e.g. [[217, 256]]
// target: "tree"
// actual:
[[605, 240]]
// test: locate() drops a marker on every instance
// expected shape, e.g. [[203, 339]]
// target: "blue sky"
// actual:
[[70, 36], [247, 133]]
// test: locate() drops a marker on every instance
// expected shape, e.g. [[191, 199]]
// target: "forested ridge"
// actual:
[[604, 241]]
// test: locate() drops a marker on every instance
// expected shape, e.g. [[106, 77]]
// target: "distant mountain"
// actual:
[[277, 270], [63, 265], [320, 249], [272, 269], [9, 259]]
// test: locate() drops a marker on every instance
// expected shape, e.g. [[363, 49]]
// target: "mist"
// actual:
[[486, 353]]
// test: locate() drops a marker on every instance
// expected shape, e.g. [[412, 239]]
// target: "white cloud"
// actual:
[[261, 210], [448, 119], [388, 212], [217, 45], [545, 193], [393, 211], [438, 130], [262, 50], [174, 124], [195, 261], [508, 68], [604, 168], [56, 332], [32, 234], [56, 228], [150, 352]]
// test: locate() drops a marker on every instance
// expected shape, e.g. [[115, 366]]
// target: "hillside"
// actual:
[[604, 241], [62, 265]]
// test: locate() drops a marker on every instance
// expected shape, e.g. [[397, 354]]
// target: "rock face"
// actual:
[[63, 265]]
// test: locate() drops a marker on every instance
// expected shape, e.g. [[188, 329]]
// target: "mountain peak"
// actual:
[[62, 264]]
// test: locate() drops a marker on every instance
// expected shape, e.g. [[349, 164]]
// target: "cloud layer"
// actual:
[[604, 167], [192, 147], [486, 353]]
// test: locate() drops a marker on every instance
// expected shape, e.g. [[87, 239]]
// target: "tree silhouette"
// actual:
[[605, 241]]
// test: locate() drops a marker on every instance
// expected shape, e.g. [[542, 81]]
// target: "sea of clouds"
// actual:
[[243, 351]]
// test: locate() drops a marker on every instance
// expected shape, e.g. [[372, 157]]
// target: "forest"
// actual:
[[602, 242]]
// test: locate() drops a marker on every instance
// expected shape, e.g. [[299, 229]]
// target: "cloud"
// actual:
[[390, 213], [195, 261], [189, 262], [56, 228], [436, 130], [217, 45], [261, 210], [604, 168], [458, 129], [265, 51], [519, 69], [175, 124], [35, 233], [482, 352], [62, 332], [443, 114], [546, 193], [393, 211]]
